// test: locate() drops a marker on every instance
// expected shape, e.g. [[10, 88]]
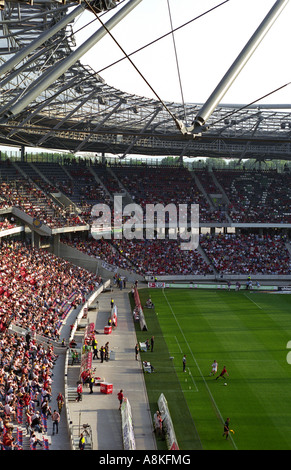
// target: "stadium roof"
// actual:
[[50, 99]]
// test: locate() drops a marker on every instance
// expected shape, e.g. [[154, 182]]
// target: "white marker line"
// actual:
[[178, 344], [174, 390], [206, 385], [192, 379], [187, 367], [253, 301]]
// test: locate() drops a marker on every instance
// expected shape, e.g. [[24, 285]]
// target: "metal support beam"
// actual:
[[144, 128], [41, 106], [24, 52], [239, 121], [248, 143], [68, 116], [99, 125], [59, 69], [237, 66]]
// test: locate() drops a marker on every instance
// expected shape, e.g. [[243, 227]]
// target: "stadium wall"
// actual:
[[276, 279]]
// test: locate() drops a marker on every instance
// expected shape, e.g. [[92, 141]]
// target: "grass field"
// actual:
[[246, 331]]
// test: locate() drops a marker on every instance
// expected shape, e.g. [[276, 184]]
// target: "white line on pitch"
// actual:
[[178, 344], [192, 379], [253, 301], [187, 367]]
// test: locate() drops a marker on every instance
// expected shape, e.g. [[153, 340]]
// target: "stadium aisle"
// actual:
[[100, 410]]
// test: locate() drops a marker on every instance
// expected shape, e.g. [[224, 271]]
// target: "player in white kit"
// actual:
[[214, 368]]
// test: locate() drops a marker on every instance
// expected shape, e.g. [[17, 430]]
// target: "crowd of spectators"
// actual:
[[6, 224], [34, 202], [88, 187], [37, 290], [100, 249], [78, 183], [227, 254], [247, 253], [25, 383], [251, 196], [162, 257], [86, 191], [107, 178], [144, 257]]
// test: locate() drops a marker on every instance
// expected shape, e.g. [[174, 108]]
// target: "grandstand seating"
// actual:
[[145, 257], [100, 249], [247, 253], [166, 185], [33, 197], [223, 196], [162, 257], [6, 224], [257, 196], [250, 194]]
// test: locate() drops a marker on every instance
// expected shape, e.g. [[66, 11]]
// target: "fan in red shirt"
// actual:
[[120, 397]]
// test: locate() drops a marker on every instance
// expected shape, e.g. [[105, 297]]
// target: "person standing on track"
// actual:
[[60, 402], [55, 419], [136, 349], [120, 397], [91, 383], [79, 391]]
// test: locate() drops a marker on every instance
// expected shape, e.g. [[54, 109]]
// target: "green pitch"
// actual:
[[248, 333]]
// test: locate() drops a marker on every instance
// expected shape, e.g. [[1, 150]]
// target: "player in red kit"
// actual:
[[222, 373]]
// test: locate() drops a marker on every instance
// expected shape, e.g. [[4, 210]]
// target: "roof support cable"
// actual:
[[125, 56], [177, 62], [163, 36], [133, 64], [180, 125], [247, 105]]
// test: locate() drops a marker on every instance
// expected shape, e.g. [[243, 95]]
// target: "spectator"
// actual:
[[55, 419]]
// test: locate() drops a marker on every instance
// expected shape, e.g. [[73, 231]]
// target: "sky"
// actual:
[[205, 49]]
